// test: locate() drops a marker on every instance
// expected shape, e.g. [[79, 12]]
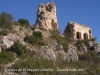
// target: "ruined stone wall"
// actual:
[[46, 16], [80, 31]]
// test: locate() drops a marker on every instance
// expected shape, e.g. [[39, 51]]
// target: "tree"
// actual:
[[37, 34], [24, 22], [6, 20], [18, 48]]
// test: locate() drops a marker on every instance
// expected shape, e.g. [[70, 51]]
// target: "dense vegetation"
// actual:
[[6, 57], [35, 39], [80, 42], [4, 32], [24, 22], [18, 48], [6, 20], [85, 42], [35, 63]]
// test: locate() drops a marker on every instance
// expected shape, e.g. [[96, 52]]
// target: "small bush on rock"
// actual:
[[86, 42], [16, 23], [33, 28], [24, 22], [18, 48], [69, 36], [6, 20], [36, 39], [54, 34], [38, 35], [4, 32]]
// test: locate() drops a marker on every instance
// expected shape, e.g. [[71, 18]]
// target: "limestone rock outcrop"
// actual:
[[95, 46], [8, 41], [46, 16], [72, 53], [52, 52]]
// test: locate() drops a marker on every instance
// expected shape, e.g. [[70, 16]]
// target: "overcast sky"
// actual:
[[85, 12]]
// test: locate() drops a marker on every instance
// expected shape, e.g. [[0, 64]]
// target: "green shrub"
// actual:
[[18, 48], [42, 43], [6, 57], [6, 20], [79, 42], [92, 48], [33, 28], [90, 56], [29, 39], [37, 35], [69, 36], [24, 22], [54, 34], [16, 23], [35, 63], [65, 46], [36, 39], [85, 42], [4, 32]]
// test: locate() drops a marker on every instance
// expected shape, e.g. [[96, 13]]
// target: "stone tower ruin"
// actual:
[[46, 16], [80, 31]]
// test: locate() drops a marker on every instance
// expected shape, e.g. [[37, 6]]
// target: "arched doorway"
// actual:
[[85, 36], [78, 35]]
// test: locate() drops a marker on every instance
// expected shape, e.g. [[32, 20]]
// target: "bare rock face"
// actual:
[[46, 16], [8, 41], [95, 46], [72, 53], [83, 47]]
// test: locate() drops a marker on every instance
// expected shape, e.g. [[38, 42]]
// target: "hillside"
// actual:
[[42, 49]]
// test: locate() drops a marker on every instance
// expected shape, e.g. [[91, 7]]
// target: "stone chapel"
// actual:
[[80, 31]]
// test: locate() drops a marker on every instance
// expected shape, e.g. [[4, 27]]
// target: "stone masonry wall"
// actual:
[[46, 16], [80, 31]]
